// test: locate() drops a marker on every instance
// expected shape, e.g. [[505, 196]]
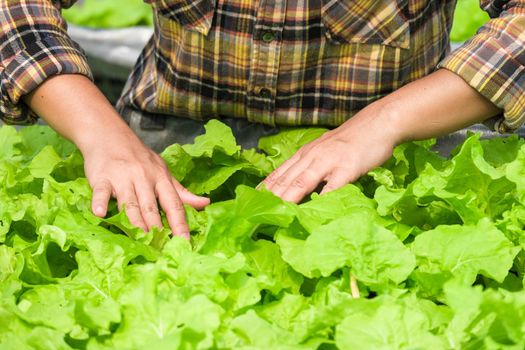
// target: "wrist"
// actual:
[[104, 135], [392, 121], [73, 106], [382, 119]]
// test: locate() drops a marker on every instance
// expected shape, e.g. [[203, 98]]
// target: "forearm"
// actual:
[[75, 108], [432, 106], [116, 162]]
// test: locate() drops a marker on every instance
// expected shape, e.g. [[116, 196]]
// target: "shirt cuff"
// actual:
[[492, 62], [30, 67]]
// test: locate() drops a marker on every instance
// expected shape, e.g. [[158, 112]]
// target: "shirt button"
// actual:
[[268, 37], [265, 93]]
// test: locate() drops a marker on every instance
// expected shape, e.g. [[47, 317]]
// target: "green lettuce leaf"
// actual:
[[282, 146], [461, 252], [375, 255]]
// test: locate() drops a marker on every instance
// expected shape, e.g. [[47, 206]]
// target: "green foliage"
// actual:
[[110, 13], [469, 17], [433, 246]]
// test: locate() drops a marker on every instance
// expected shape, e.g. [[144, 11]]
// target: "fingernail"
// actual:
[[99, 211]]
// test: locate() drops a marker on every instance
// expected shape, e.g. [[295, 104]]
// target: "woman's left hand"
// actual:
[[337, 158], [419, 110]]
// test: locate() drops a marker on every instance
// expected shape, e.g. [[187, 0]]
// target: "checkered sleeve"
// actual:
[[493, 61], [34, 45]]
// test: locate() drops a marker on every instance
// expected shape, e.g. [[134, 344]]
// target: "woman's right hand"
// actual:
[[117, 163], [137, 177]]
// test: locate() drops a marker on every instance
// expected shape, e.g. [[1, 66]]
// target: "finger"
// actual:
[[126, 197], [173, 207], [197, 202], [148, 205], [282, 184], [270, 181], [101, 195], [277, 181], [303, 184], [338, 178]]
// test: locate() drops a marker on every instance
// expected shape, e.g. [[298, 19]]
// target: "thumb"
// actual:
[[197, 202]]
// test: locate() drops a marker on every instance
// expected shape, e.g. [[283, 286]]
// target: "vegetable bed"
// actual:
[[422, 253]]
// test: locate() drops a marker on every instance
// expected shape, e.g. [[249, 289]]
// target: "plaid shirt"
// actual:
[[285, 62]]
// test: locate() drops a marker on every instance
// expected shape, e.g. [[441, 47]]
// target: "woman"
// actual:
[[379, 72]]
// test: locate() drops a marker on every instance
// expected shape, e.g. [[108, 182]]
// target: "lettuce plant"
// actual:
[[424, 252]]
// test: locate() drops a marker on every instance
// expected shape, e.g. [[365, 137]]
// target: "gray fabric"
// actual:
[[446, 143], [159, 131]]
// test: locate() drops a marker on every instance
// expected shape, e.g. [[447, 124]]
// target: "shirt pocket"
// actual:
[[193, 15], [367, 21]]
